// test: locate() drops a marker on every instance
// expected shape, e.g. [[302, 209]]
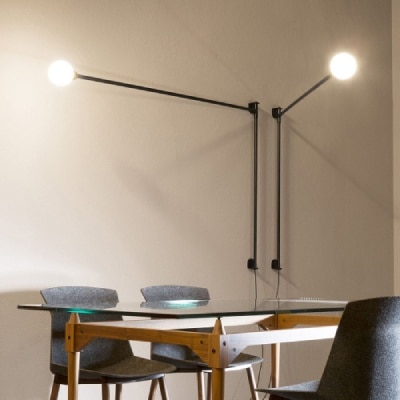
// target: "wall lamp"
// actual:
[[61, 73], [342, 66]]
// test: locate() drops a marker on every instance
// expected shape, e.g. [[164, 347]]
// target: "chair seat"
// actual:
[[135, 368], [193, 362], [131, 368], [301, 391]]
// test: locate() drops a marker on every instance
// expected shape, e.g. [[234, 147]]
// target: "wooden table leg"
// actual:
[[218, 383], [275, 364], [73, 358], [272, 323], [218, 373]]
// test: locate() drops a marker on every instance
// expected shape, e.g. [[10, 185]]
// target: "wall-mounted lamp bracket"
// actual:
[[276, 112], [275, 265], [253, 107], [251, 264]]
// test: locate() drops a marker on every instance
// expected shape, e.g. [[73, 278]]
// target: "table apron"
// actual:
[[216, 350]]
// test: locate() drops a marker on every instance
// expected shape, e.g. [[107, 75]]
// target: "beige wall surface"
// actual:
[[396, 139], [116, 188]]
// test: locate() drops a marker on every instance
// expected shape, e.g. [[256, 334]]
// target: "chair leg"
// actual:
[[252, 383], [200, 385], [105, 391], [153, 388], [54, 390], [163, 389], [118, 391]]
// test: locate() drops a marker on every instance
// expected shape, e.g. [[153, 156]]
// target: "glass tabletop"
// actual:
[[199, 308]]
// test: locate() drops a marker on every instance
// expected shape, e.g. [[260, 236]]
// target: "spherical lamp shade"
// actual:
[[343, 66], [61, 73]]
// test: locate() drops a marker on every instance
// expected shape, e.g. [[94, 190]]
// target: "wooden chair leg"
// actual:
[[200, 385], [163, 388], [105, 391], [54, 390], [252, 383], [118, 391], [153, 388]]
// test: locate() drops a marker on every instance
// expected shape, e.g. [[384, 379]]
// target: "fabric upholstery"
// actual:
[[175, 292], [181, 356], [101, 357], [364, 361], [184, 358]]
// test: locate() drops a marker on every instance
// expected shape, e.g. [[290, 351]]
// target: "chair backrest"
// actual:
[[165, 352], [364, 362], [99, 352], [174, 292]]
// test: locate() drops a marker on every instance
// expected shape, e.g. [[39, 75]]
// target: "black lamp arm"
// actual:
[[278, 111], [248, 108], [252, 108]]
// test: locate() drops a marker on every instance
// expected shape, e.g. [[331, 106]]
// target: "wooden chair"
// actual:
[[102, 361]]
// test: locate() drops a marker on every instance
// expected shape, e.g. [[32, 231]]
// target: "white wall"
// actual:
[[110, 187]]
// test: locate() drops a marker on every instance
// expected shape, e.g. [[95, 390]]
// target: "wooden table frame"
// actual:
[[217, 348]]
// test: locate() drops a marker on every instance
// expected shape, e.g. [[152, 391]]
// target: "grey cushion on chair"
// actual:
[[364, 362], [102, 360], [175, 292]]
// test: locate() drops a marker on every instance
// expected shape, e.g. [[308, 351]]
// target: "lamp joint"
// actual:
[[276, 265], [251, 264], [253, 107], [276, 112]]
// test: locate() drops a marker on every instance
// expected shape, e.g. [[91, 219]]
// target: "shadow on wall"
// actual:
[[24, 348]]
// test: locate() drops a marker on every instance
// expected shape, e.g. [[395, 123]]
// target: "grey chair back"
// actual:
[[99, 352], [364, 363], [165, 352], [175, 292]]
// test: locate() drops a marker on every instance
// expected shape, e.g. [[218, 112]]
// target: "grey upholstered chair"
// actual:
[[182, 357], [364, 362], [102, 361]]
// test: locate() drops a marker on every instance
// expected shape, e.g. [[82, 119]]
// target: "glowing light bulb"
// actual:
[[61, 73], [343, 66]]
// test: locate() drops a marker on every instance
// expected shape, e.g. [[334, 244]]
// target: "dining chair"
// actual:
[[182, 357], [103, 361], [364, 361]]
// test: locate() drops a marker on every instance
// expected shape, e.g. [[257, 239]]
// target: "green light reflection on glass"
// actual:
[[81, 311], [184, 303]]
